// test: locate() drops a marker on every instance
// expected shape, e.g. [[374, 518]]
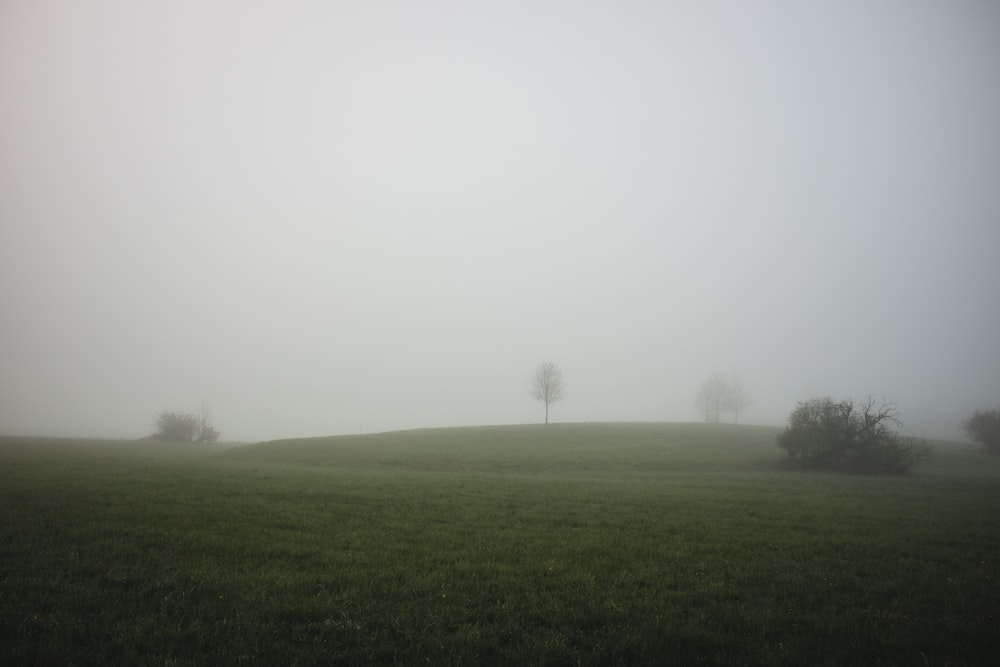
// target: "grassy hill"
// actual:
[[558, 544], [608, 450], [599, 449]]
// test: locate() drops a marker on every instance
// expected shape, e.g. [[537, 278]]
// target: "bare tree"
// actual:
[[712, 397], [547, 385], [718, 395], [737, 398], [205, 431]]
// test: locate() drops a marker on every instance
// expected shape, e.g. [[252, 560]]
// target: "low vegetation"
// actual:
[[984, 427], [186, 427], [558, 544], [848, 436]]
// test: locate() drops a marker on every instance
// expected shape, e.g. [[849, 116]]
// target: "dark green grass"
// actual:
[[567, 544]]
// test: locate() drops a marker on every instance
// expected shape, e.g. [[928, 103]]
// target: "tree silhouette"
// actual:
[[547, 385]]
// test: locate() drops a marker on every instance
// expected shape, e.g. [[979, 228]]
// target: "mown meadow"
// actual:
[[561, 544]]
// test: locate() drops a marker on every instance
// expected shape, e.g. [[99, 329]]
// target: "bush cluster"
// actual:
[[984, 427], [848, 436], [185, 427]]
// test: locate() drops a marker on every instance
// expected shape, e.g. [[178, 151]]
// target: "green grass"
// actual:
[[565, 544]]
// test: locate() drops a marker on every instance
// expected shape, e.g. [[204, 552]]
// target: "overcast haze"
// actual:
[[327, 217]]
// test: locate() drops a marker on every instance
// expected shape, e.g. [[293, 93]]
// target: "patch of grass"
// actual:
[[593, 544], [563, 450]]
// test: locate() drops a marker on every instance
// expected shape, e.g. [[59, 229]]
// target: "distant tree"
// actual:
[[984, 427], [547, 385], [737, 398], [205, 430], [185, 427], [847, 436], [719, 395], [713, 397]]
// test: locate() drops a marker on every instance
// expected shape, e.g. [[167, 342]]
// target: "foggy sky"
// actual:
[[329, 217]]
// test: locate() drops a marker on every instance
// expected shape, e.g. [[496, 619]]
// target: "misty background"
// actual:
[[334, 217]]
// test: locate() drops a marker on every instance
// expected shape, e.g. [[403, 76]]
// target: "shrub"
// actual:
[[847, 436], [184, 427], [175, 427], [984, 427]]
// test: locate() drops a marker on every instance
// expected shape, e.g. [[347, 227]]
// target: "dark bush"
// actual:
[[984, 427], [184, 427], [847, 436], [175, 427]]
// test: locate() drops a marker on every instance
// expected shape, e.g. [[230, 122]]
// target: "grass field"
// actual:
[[560, 544]]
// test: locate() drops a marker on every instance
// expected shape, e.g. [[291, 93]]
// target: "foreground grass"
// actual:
[[592, 544]]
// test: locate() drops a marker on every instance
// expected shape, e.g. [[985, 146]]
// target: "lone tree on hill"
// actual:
[[547, 385], [847, 436], [984, 427], [185, 427]]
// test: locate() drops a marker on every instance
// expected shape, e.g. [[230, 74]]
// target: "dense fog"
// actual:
[[343, 217]]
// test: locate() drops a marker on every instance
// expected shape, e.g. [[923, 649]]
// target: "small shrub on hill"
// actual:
[[184, 427], [984, 427], [848, 436]]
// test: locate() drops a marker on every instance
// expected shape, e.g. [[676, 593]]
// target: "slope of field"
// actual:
[[559, 544], [575, 450]]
